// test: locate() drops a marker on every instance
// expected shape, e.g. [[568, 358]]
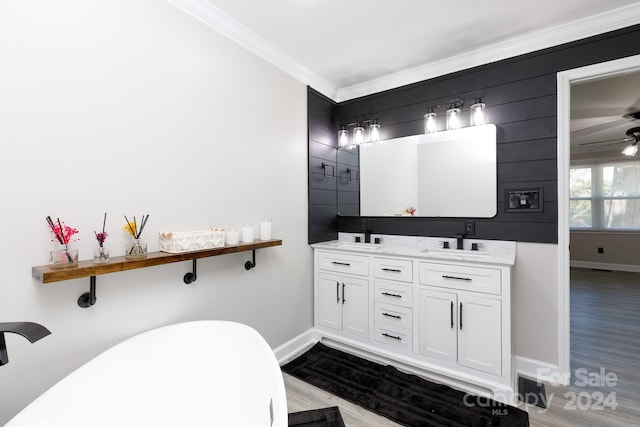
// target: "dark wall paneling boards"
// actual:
[[323, 201], [348, 182], [520, 94]]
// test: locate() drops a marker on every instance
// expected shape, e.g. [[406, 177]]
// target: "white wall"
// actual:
[[619, 250], [131, 107], [535, 303]]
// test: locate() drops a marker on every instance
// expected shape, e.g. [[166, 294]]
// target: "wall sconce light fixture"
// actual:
[[343, 137], [358, 135], [367, 132], [477, 113], [453, 115], [374, 131], [430, 125]]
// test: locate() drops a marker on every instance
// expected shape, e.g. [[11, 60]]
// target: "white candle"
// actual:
[[265, 230], [247, 234], [232, 237]]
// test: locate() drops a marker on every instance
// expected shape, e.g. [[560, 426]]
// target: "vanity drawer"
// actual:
[[393, 336], [393, 269], [474, 279], [393, 315], [393, 293], [343, 263]]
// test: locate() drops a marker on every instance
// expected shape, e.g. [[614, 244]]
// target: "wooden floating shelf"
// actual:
[[88, 268]]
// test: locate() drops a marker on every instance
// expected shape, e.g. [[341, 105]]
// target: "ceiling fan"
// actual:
[[634, 137]]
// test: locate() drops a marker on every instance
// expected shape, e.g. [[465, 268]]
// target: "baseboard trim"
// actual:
[[541, 371], [296, 345], [404, 362], [606, 266]]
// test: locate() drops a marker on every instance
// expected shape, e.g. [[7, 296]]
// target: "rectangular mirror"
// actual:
[[443, 174]]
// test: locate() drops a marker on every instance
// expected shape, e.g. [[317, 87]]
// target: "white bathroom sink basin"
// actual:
[[457, 252], [355, 246]]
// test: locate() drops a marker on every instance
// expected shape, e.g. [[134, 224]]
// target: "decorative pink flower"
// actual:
[[63, 233]]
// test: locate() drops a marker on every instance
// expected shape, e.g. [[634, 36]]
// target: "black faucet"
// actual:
[[367, 236], [459, 241], [31, 331]]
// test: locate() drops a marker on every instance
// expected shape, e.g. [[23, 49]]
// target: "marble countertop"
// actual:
[[496, 252]]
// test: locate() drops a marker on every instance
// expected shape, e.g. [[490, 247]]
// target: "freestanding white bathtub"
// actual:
[[203, 373]]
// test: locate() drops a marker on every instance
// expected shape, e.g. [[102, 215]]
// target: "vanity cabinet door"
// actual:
[[438, 324], [479, 333], [344, 304], [355, 307], [330, 301]]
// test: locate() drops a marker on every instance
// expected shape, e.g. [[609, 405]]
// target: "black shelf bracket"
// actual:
[[88, 299], [251, 264], [191, 277]]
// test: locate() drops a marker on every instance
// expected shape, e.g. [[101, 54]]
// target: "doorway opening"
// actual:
[[565, 80]]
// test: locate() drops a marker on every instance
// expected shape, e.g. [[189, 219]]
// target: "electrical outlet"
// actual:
[[363, 225], [470, 228]]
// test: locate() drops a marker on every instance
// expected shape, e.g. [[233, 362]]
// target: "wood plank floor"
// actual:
[[605, 334]]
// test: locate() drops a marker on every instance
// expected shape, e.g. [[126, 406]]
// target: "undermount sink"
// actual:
[[358, 246], [459, 252]]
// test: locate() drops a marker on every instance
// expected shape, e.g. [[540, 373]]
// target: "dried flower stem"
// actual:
[[60, 235]]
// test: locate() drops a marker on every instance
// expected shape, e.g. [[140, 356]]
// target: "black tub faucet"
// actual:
[[31, 331]]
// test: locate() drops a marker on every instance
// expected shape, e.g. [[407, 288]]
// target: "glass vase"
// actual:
[[135, 250], [64, 257], [101, 255]]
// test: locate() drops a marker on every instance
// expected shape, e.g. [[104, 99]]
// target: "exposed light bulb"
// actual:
[[343, 138], [374, 132], [358, 135], [430, 125], [477, 113], [453, 118]]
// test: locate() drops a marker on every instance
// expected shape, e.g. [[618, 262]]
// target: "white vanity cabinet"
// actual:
[[461, 328], [446, 315], [342, 293], [461, 315], [393, 302]]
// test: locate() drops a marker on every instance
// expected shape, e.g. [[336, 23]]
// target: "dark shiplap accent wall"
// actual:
[[520, 94], [348, 182], [323, 198]]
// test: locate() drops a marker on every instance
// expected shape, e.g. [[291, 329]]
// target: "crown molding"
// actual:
[[525, 43], [215, 18], [229, 27]]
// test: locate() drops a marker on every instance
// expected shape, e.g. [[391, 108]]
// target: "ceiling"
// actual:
[[351, 48], [599, 120]]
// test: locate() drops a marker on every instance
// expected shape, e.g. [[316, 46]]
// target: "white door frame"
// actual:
[[565, 79]]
